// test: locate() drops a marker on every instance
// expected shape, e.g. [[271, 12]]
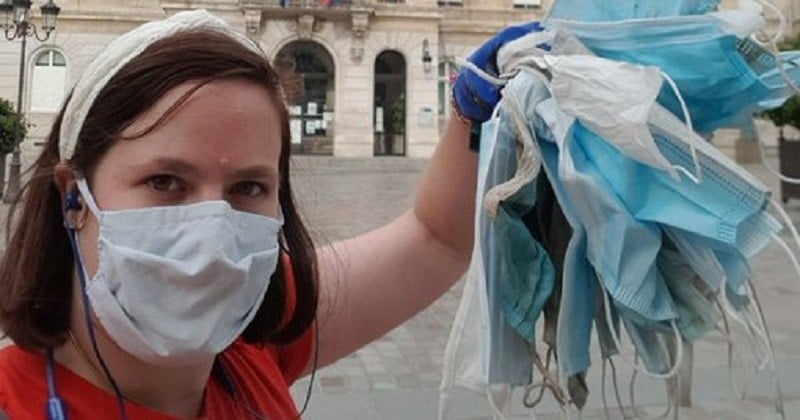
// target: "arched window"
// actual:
[[48, 82], [310, 84]]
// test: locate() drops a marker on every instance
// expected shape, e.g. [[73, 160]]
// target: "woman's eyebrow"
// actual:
[[256, 171], [168, 164]]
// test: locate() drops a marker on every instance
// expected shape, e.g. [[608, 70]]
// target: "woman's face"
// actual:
[[223, 143]]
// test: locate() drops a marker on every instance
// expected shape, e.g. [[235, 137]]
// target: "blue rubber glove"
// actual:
[[475, 97]]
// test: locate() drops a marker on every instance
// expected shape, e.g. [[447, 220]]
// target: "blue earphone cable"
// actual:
[[55, 407], [90, 326]]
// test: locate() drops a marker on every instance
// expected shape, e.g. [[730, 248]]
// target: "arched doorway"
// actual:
[[390, 105], [311, 93]]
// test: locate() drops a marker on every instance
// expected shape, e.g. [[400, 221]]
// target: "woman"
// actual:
[[158, 267]]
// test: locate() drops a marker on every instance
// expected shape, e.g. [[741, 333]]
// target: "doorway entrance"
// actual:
[[389, 118]]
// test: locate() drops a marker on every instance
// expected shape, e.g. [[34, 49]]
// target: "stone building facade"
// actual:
[[374, 75]]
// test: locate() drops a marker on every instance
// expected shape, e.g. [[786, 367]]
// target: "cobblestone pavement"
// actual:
[[397, 377]]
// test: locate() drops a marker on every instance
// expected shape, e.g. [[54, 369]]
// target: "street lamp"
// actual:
[[427, 60], [17, 25]]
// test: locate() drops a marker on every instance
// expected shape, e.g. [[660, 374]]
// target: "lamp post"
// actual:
[[16, 24], [427, 60]]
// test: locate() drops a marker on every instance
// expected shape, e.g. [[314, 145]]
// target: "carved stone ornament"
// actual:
[[252, 20], [357, 50], [305, 26], [360, 26]]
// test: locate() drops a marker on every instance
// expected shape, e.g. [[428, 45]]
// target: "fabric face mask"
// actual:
[[526, 272], [609, 10], [176, 285]]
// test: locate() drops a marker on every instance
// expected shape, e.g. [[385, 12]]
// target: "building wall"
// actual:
[[354, 36]]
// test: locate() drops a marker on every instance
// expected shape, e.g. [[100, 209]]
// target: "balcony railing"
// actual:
[[334, 9], [308, 4]]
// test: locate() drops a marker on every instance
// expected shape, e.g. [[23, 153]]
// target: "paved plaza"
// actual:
[[397, 377]]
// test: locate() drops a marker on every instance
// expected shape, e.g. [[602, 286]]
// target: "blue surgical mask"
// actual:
[[610, 10], [507, 356], [716, 208], [700, 53], [621, 248], [780, 91]]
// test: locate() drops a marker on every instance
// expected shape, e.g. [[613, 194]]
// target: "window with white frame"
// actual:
[[48, 82], [447, 74]]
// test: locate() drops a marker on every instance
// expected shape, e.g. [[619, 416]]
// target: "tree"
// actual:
[[13, 127], [789, 112]]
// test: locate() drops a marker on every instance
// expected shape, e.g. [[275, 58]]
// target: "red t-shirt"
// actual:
[[262, 376]]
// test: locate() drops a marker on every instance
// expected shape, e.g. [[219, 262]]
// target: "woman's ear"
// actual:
[[64, 178], [71, 204]]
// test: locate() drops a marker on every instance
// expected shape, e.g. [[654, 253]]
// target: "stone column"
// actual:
[[747, 144]]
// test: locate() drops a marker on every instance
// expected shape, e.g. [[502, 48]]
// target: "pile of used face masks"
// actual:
[[601, 208]]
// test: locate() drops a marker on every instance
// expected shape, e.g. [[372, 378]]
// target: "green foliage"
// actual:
[[13, 127], [789, 112], [399, 115]]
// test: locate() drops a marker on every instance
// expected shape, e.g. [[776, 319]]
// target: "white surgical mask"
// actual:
[[176, 285], [611, 98]]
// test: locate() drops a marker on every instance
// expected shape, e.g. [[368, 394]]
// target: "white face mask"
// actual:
[[611, 98], [176, 285]]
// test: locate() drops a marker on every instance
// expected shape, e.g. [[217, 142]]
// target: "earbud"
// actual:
[[72, 202]]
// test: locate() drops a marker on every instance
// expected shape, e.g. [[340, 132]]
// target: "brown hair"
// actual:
[[36, 272]]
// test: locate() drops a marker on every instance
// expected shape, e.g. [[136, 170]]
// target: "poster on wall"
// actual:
[[426, 116], [296, 130], [312, 108], [311, 127], [379, 119]]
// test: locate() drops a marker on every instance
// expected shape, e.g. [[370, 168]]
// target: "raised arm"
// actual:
[[372, 283]]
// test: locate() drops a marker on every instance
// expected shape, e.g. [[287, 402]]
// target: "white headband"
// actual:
[[119, 53]]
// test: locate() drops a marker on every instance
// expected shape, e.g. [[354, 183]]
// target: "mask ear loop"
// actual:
[[528, 161], [755, 336], [740, 394], [548, 382], [634, 364], [779, 406], [480, 72], [697, 177], [782, 23], [632, 395]]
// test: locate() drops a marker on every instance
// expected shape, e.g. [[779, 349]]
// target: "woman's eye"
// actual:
[[248, 189], [165, 183]]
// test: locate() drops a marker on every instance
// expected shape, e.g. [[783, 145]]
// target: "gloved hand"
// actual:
[[475, 97]]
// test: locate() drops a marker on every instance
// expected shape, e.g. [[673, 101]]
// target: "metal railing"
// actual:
[[310, 4]]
